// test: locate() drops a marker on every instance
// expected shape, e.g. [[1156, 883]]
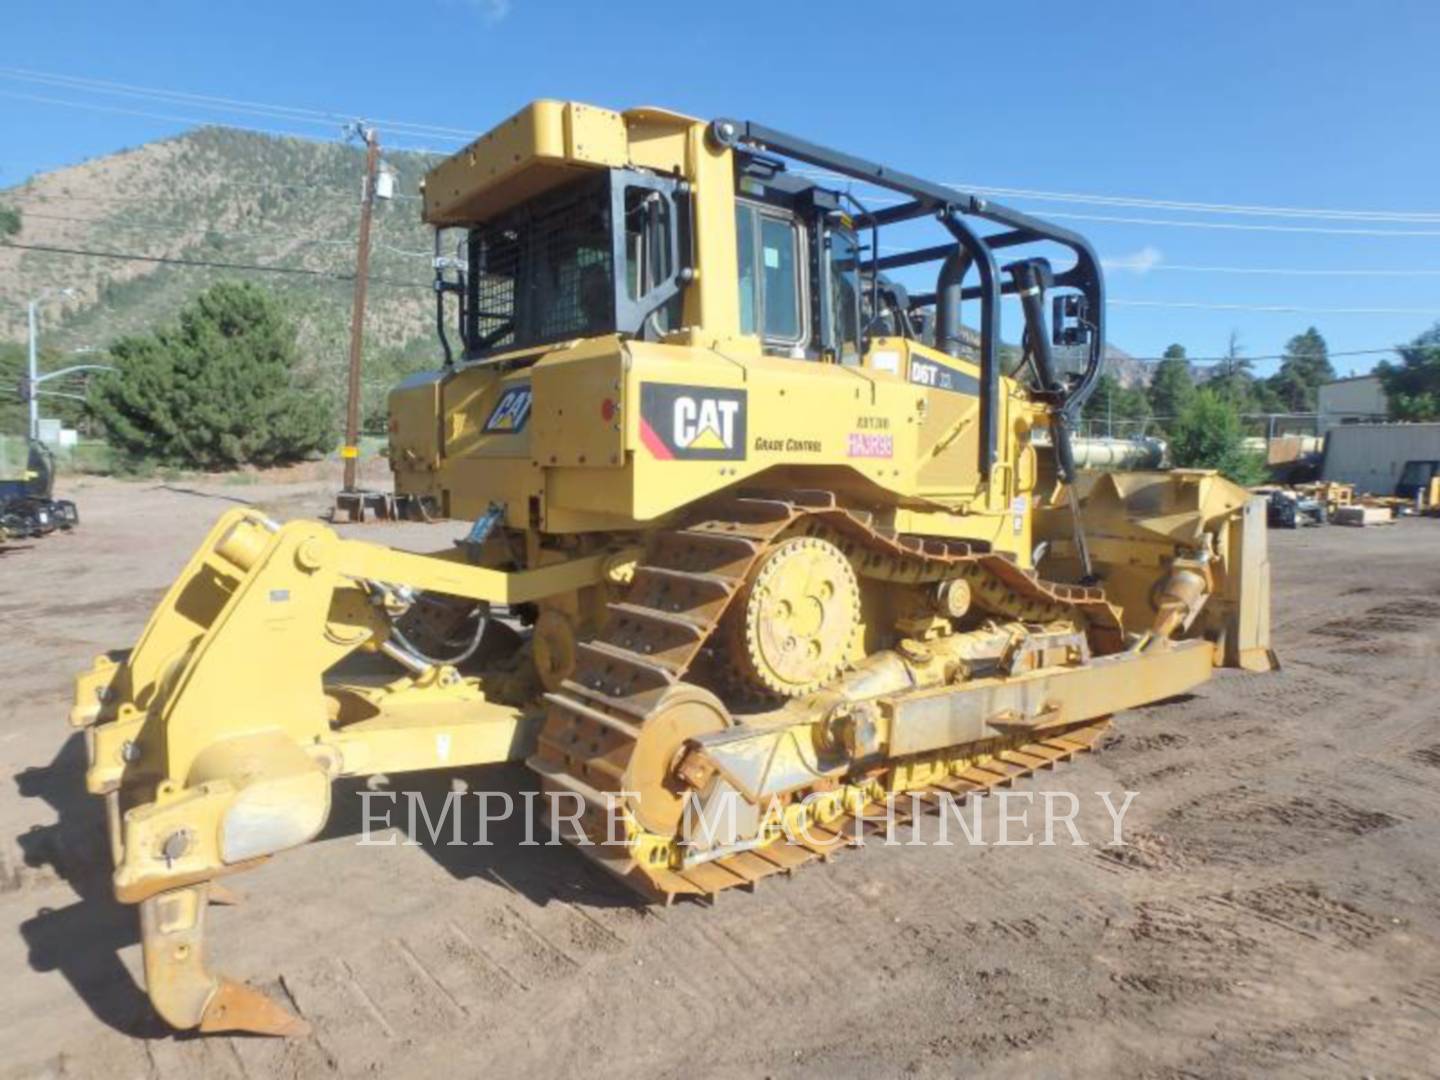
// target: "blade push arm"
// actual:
[[215, 740]]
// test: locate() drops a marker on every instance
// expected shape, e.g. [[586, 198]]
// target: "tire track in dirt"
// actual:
[[1303, 907], [1244, 825]]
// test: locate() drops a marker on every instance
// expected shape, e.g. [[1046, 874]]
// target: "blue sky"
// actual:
[[1321, 105]]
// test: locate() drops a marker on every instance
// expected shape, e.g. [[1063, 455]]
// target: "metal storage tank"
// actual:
[[1370, 456], [1101, 453]]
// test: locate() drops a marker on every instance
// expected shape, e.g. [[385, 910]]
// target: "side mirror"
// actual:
[[1069, 322]]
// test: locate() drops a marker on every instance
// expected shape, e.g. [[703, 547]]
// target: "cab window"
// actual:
[[647, 256], [769, 256], [845, 295]]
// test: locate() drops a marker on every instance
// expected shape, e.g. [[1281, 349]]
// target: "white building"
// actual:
[[1358, 399], [1371, 456]]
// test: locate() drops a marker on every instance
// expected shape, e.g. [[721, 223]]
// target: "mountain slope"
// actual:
[[1128, 371], [217, 195]]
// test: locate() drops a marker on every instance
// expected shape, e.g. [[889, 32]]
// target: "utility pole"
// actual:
[[351, 450]]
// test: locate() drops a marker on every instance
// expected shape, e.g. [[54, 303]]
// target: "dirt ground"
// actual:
[[1274, 910]]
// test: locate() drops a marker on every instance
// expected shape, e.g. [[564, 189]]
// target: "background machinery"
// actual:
[[1419, 484], [1290, 508], [28, 507], [759, 538]]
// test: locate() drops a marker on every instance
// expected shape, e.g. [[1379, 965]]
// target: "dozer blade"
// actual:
[[214, 741], [1137, 522]]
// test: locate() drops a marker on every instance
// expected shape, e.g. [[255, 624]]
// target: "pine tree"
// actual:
[[1172, 386], [1233, 381], [1413, 385], [1208, 435], [1306, 365], [215, 391]]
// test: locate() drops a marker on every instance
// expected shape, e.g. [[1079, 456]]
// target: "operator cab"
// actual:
[[555, 268]]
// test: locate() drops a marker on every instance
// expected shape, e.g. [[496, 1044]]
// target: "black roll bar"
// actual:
[[951, 206], [984, 261]]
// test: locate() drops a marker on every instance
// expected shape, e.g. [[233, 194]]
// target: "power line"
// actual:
[[95, 106], [43, 198], [1273, 356], [1285, 308], [1149, 261], [1346, 215], [296, 114], [1135, 202], [1116, 262], [313, 116], [1230, 225], [1297, 271], [270, 184], [1240, 226], [168, 260], [172, 229], [1235, 209]]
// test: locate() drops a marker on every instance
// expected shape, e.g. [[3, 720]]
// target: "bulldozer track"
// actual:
[[674, 607], [821, 842]]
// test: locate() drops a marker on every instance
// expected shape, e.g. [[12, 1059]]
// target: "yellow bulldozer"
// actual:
[[748, 523]]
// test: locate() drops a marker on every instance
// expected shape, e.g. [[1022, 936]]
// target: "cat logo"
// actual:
[[692, 422], [705, 423], [511, 411]]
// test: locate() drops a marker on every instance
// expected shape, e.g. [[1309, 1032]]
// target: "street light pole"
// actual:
[[34, 371]]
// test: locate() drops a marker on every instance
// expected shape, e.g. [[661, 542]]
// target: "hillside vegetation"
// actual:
[[219, 195]]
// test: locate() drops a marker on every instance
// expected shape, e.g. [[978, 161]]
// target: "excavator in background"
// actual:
[[751, 526], [28, 507]]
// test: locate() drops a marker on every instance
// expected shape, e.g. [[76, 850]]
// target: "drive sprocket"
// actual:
[[797, 617]]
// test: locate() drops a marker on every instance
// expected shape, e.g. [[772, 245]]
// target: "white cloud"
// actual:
[[1139, 262], [492, 11]]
